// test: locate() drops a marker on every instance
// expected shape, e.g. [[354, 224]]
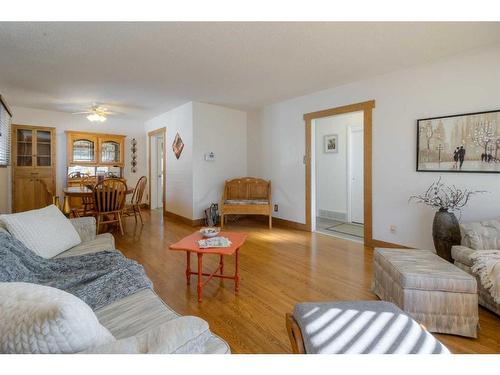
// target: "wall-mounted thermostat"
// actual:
[[210, 156]]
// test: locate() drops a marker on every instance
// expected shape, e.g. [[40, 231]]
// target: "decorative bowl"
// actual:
[[210, 232]]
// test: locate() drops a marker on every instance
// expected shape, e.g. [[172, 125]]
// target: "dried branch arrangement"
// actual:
[[444, 197]]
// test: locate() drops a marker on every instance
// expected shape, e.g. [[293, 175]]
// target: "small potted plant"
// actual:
[[445, 228]]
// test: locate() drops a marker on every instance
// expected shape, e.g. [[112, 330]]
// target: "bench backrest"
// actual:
[[247, 188]]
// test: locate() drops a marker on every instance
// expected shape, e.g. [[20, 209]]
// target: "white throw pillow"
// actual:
[[40, 319], [46, 232]]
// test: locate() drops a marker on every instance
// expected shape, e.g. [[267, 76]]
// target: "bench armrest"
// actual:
[[86, 228]]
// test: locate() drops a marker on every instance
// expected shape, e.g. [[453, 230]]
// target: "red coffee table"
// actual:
[[189, 244]]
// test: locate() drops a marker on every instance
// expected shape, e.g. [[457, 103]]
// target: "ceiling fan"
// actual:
[[96, 113]]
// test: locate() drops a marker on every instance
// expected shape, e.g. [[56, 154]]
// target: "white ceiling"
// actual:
[[142, 69]]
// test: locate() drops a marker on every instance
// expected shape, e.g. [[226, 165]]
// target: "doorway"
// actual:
[[338, 175], [366, 109], [157, 169]]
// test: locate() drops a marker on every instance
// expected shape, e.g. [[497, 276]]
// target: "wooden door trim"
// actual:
[[367, 108], [151, 134]]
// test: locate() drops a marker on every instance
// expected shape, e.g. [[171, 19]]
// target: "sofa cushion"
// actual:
[[101, 242], [144, 311], [424, 270], [186, 334], [41, 319], [46, 232], [357, 327], [484, 235]]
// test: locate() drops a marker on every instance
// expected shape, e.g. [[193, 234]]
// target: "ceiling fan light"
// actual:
[[95, 117]]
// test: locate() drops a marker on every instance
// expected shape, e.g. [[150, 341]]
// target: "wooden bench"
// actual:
[[246, 196]]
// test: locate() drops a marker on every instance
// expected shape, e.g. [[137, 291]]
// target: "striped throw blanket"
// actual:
[[486, 264]]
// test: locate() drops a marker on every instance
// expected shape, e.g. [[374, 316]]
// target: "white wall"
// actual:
[[179, 172], [222, 131], [466, 83], [193, 183], [331, 168], [65, 121]]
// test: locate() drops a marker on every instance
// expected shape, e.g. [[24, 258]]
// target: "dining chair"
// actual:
[[109, 201], [134, 207], [88, 206]]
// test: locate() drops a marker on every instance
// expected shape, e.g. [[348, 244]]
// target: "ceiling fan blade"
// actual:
[[81, 113]]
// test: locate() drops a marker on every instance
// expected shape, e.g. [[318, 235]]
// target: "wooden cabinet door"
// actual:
[[82, 148], [44, 153], [22, 147], [43, 188], [111, 150], [24, 192]]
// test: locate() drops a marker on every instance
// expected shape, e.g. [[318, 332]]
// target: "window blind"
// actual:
[[5, 118]]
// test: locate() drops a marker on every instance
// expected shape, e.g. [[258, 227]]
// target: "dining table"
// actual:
[[83, 191]]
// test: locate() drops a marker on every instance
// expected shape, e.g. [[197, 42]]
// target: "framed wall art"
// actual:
[[459, 143], [178, 146], [331, 142]]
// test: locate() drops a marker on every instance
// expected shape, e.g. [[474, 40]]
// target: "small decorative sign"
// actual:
[[178, 146]]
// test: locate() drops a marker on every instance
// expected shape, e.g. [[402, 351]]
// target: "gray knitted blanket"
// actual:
[[98, 279]]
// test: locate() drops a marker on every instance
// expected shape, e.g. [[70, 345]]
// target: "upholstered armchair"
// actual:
[[479, 236]]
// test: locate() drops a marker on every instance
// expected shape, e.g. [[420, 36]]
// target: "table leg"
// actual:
[[221, 264], [236, 273], [188, 267], [200, 281]]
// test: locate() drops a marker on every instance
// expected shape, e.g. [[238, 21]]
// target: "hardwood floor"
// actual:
[[278, 268]]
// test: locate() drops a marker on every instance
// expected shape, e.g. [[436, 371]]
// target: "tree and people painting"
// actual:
[[460, 143]]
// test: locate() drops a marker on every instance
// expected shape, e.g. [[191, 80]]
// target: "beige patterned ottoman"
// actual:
[[434, 292]]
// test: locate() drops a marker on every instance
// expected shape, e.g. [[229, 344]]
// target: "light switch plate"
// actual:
[[210, 156]]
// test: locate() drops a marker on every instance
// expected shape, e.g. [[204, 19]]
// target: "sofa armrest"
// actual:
[[86, 228]]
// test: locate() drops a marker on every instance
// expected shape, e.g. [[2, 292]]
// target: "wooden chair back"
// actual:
[[247, 188], [140, 187], [89, 183], [109, 195], [77, 175]]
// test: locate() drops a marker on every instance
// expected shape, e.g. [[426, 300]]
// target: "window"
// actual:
[[5, 117]]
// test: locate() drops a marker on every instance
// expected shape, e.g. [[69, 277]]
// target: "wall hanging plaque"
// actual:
[[177, 146], [133, 149]]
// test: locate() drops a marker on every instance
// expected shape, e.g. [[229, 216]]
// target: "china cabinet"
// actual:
[[33, 161]]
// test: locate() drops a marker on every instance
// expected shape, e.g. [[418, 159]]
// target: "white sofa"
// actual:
[[142, 313], [479, 236]]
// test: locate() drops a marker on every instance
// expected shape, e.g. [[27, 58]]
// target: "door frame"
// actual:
[[367, 108], [151, 134], [350, 130]]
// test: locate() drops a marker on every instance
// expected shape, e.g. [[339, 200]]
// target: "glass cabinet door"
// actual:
[[110, 152], [83, 150], [43, 148], [24, 147]]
